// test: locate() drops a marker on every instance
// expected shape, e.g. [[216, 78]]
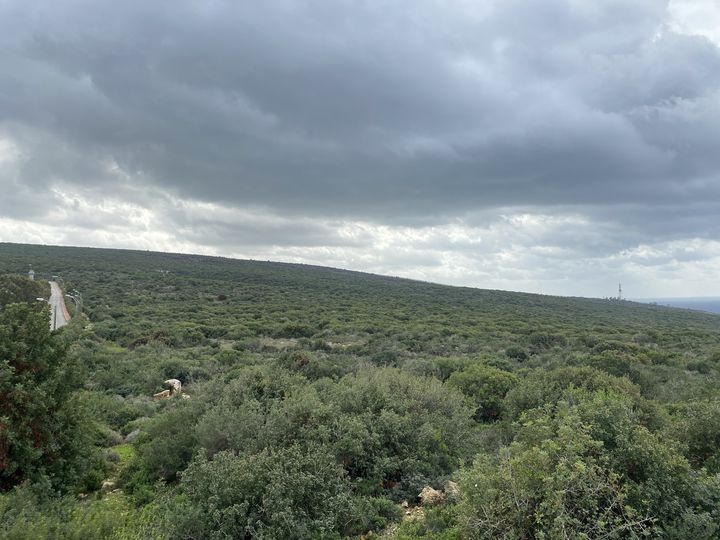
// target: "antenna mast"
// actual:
[[619, 291]]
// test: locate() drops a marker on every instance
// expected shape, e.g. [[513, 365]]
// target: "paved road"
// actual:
[[58, 312]]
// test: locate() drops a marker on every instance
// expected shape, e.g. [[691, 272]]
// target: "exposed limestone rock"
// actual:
[[173, 388], [108, 485], [431, 497], [174, 385], [161, 395]]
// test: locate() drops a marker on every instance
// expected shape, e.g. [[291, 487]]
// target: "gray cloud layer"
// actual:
[[314, 114]]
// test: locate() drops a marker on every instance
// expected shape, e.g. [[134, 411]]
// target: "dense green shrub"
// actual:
[[392, 432], [288, 493], [43, 428], [550, 483], [294, 330], [540, 387], [436, 524], [588, 467], [19, 289], [31, 512], [697, 426], [115, 411], [543, 341], [486, 386], [380, 380], [166, 444], [516, 353], [388, 427]]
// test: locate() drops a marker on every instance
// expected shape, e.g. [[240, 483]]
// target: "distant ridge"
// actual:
[[708, 304], [71, 260]]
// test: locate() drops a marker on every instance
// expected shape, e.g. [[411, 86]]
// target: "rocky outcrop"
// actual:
[[173, 387], [431, 497], [161, 395], [108, 485]]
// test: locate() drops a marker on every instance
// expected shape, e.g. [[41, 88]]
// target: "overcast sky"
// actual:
[[554, 146]]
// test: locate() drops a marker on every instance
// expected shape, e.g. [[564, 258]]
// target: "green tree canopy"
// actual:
[[288, 493], [486, 386], [41, 431], [15, 289]]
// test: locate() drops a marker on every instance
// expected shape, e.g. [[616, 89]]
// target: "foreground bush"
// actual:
[[587, 467], [32, 512], [290, 493], [486, 386], [559, 488], [43, 432]]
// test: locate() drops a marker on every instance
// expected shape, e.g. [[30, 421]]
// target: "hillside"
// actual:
[[371, 388], [269, 299]]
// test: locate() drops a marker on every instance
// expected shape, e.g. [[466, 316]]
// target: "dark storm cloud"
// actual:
[[226, 228], [383, 111], [533, 139]]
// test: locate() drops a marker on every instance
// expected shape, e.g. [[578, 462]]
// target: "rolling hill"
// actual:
[[320, 399]]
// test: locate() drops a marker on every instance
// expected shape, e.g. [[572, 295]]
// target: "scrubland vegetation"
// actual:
[[320, 400]]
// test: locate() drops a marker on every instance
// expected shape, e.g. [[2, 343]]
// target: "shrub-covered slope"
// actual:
[[320, 399]]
